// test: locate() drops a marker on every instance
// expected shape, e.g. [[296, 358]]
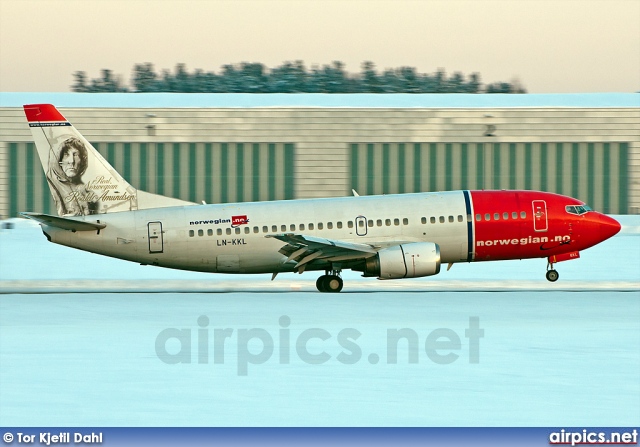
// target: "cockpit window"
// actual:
[[577, 209]]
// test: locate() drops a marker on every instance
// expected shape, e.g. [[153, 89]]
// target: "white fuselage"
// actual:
[[231, 238]]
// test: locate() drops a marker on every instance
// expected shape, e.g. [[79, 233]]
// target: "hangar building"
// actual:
[[221, 148]]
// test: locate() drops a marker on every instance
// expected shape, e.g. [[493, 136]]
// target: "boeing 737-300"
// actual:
[[388, 237]]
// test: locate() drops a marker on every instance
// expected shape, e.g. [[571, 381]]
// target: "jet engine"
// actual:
[[404, 261]]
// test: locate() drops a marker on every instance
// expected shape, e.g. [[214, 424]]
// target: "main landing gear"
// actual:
[[552, 275], [330, 282]]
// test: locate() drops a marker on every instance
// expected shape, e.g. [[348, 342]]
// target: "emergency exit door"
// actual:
[[156, 242]]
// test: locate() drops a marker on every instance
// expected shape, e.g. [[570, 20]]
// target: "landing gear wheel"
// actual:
[[329, 284], [320, 283], [552, 275], [333, 284]]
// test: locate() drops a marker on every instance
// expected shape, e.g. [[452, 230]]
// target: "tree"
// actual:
[[370, 83], [108, 83], [288, 78], [80, 82], [252, 78], [499, 87], [440, 81], [182, 80], [473, 86], [144, 78], [408, 79], [456, 83], [291, 77], [334, 79]]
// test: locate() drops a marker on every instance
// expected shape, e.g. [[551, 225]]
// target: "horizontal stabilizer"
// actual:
[[65, 223]]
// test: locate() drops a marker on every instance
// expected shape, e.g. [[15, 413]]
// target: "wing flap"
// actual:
[[65, 223], [307, 249]]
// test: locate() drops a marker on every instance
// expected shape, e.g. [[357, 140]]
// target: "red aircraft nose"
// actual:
[[608, 227]]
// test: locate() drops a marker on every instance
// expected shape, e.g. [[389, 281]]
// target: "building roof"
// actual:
[[248, 100]]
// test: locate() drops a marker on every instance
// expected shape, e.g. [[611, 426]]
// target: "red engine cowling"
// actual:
[[405, 261]]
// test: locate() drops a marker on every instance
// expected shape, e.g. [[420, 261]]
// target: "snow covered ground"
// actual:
[[514, 349]]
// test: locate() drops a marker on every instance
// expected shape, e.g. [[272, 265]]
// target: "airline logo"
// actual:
[[44, 115], [523, 241], [209, 222], [236, 221]]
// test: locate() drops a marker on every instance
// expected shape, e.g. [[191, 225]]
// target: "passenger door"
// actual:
[[156, 243], [540, 222]]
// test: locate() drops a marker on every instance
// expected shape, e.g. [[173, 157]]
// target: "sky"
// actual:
[[549, 46]]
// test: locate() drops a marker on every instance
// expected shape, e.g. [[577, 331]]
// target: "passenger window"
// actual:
[[523, 214], [292, 227], [487, 217], [505, 216], [237, 230], [379, 222], [469, 218], [320, 226], [256, 229], [310, 226], [283, 228], [432, 220], [247, 230], [219, 231], [228, 230], [396, 222], [274, 228], [265, 229], [301, 227], [209, 232], [441, 219], [450, 219], [191, 233], [370, 223], [387, 222], [200, 233], [478, 217], [514, 215], [349, 224], [423, 220], [405, 221], [459, 217], [329, 225], [496, 216], [339, 224]]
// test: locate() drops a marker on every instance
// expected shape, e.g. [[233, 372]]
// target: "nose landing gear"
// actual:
[[330, 282], [552, 275]]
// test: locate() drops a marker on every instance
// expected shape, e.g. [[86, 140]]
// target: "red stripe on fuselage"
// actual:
[[508, 227]]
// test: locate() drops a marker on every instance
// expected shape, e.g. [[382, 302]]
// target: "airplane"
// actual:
[[388, 237]]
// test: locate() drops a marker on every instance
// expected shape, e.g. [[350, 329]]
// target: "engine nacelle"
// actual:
[[405, 261]]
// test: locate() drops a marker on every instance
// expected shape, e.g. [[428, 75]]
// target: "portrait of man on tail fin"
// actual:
[[67, 164]]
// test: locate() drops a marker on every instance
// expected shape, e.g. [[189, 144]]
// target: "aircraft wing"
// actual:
[[66, 223], [306, 249]]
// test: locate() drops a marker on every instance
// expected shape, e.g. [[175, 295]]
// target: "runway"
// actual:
[[298, 358], [91, 341]]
